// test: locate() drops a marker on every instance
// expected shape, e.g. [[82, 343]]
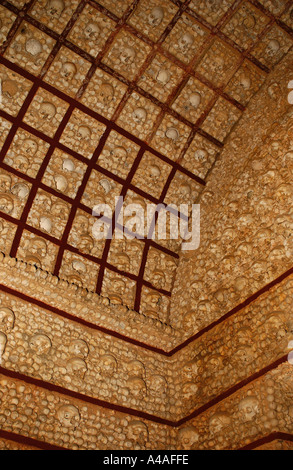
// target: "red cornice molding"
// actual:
[[81, 321], [141, 414]]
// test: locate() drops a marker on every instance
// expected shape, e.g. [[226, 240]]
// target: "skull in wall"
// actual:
[[137, 433], [79, 348], [92, 31], [40, 344], [127, 55], [68, 416], [29, 147], [156, 16], [47, 111], [139, 115], [7, 319], [218, 422], [185, 43], [137, 387], [273, 48], [68, 71], [105, 93], [54, 8], [10, 89], [108, 365], [187, 437], [77, 367], [248, 408], [33, 47]]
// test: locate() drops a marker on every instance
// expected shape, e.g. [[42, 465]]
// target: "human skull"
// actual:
[[218, 422], [195, 99], [46, 224], [21, 163], [187, 437], [172, 133], [92, 31], [79, 266], [60, 183], [77, 367], [218, 63], [105, 93], [163, 76], [248, 408], [33, 47], [185, 42], [59, 210], [20, 190], [38, 247], [201, 155], [29, 147], [3, 341], [156, 16], [6, 203], [243, 356], [68, 415], [137, 432], [5, 183], [74, 279], [84, 132], [139, 115], [47, 111], [120, 153], [55, 8], [137, 387], [40, 343], [273, 47], [118, 285], [249, 22], [245, 82], [158, 385], [190, 370], [68, 165], [108, 365], [9, 88], [68, 71], [189, 391], [154, 171], [185, 189], [7, 319], [127, 55], [79, 348], [135, 368], [244, 336]]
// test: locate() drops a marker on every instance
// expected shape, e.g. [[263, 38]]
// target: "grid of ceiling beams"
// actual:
[[53, 173]]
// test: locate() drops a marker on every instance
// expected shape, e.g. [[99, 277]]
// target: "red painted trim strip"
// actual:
[[28, 441], [80, 321], [267, 439]]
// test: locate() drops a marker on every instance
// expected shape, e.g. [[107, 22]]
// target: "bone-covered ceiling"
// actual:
[[120, 98]]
